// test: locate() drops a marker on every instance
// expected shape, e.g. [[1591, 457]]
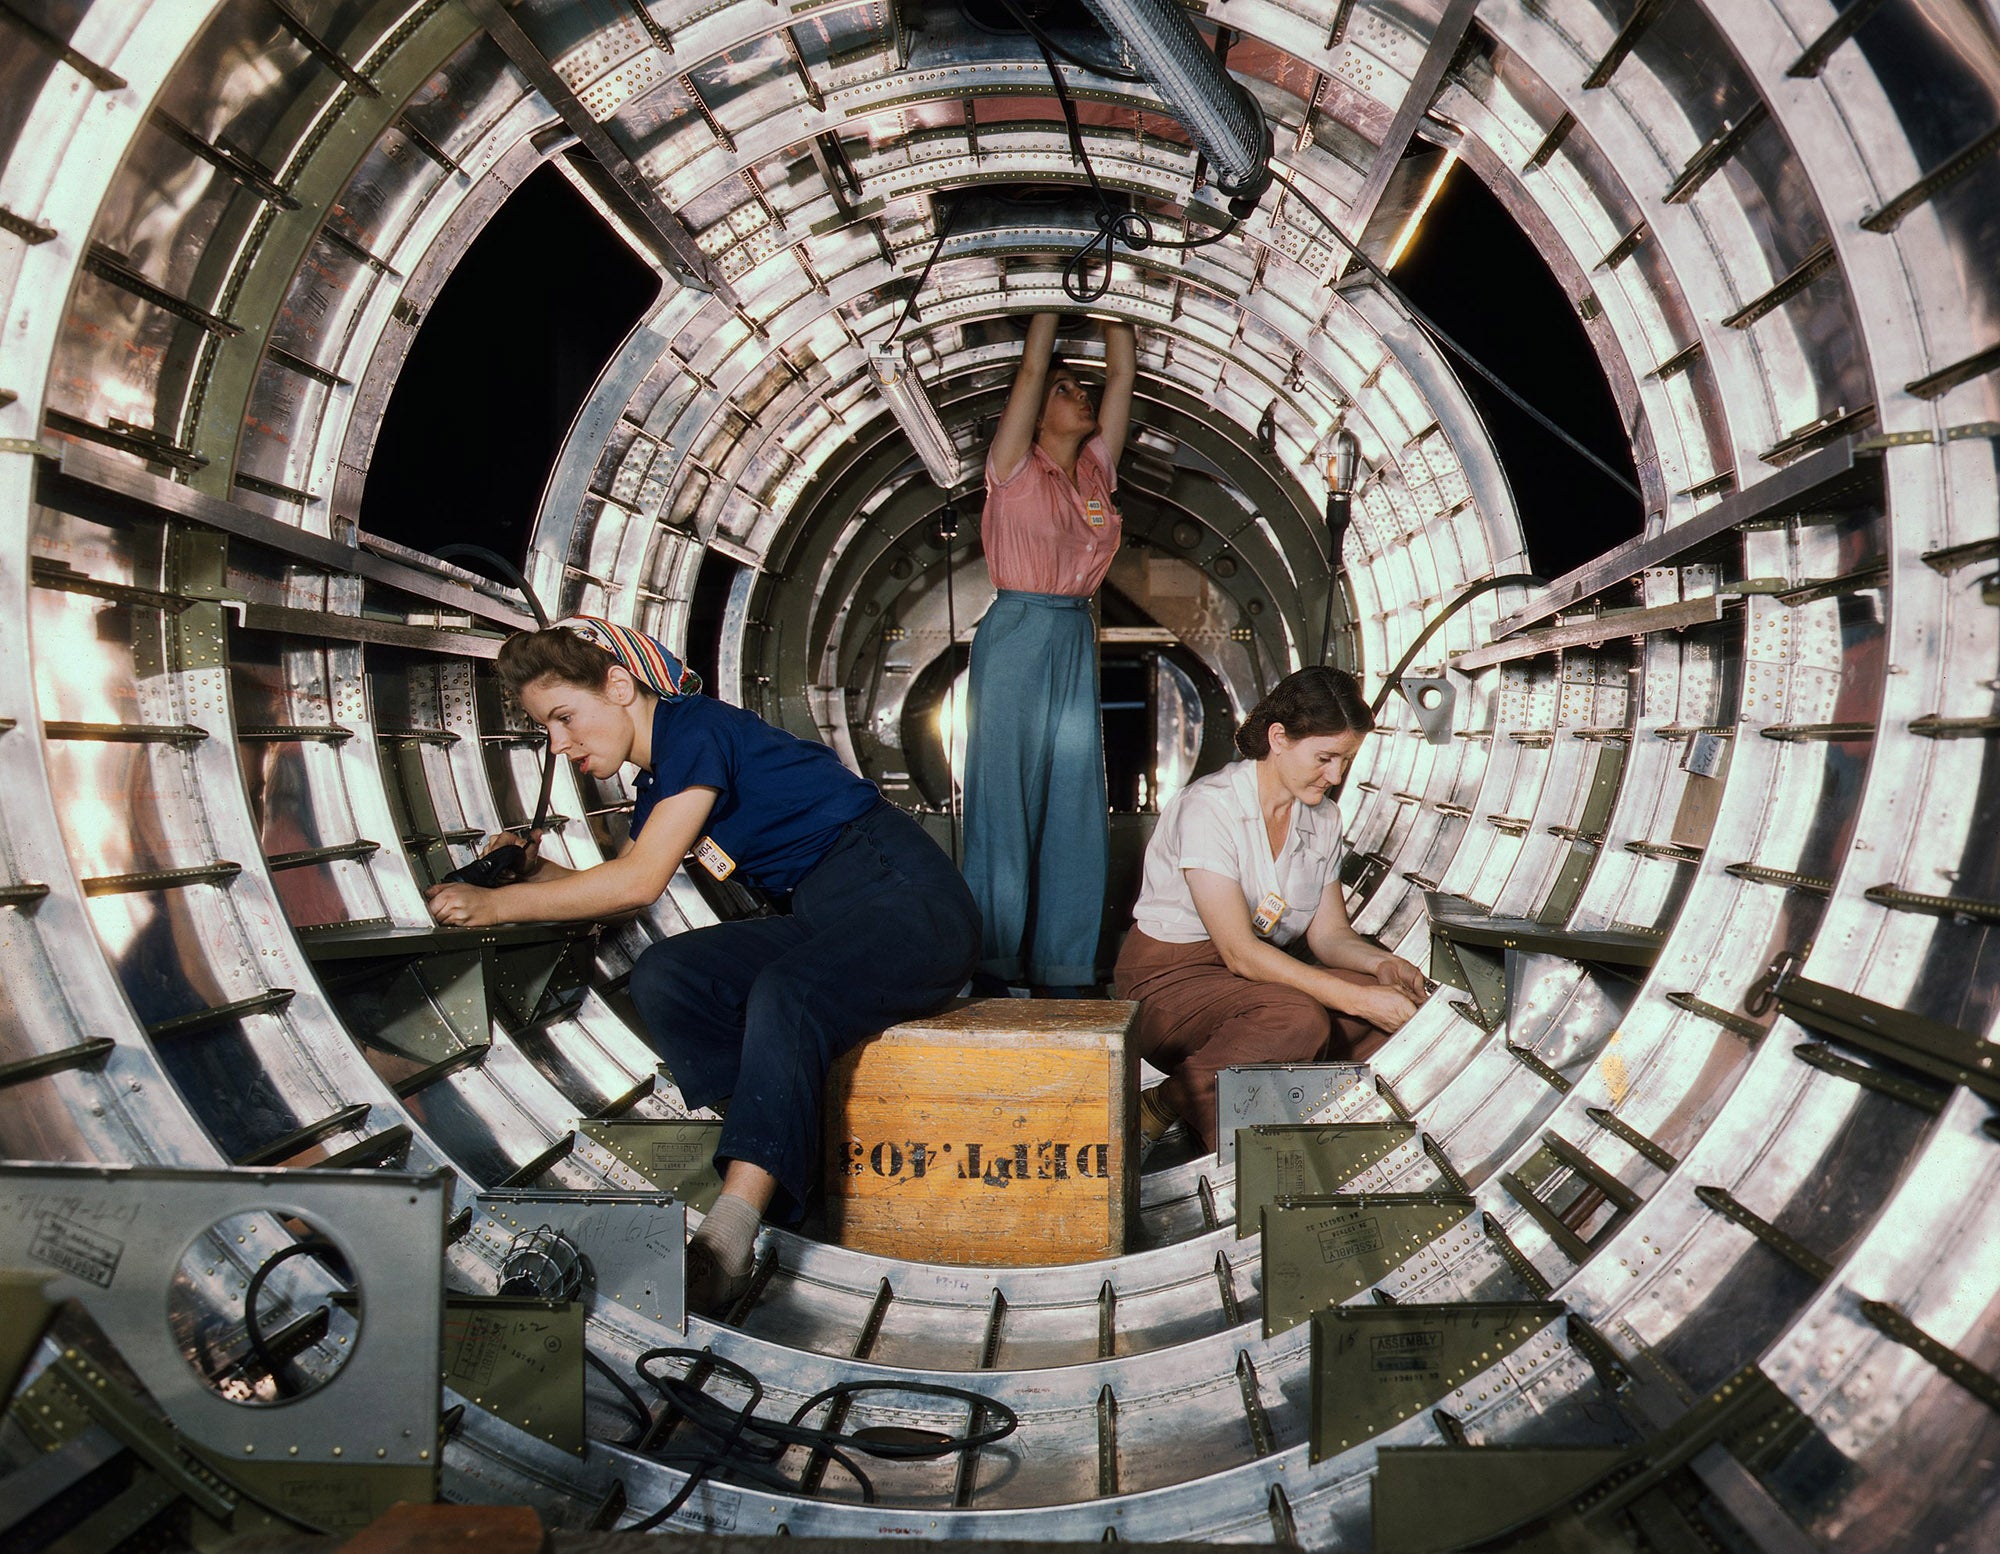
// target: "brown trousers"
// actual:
[[1197, 1017]]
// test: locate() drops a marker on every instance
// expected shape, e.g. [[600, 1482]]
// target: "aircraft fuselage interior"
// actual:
[[1612, 386]]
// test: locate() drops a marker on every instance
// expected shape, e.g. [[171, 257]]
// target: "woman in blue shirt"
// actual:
[[879, 926]]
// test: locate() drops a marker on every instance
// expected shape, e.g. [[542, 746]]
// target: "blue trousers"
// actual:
[[882, 930], [1036, 837]]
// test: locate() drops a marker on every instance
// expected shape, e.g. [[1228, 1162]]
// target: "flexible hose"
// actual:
[[1221, 116]]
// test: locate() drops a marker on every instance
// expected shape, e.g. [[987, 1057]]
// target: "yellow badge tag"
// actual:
[[713, 858], [1093, 512], [1268, 912]]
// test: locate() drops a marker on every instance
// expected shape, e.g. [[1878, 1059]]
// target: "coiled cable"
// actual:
[[749, 1448], [1131, 227]]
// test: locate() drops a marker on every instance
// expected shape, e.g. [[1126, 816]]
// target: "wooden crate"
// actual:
[[995, 1134]]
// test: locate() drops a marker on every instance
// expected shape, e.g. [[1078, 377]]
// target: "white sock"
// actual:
[[729, 1232]]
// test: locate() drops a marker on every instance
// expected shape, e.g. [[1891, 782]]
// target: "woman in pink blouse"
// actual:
[[1036, 836]]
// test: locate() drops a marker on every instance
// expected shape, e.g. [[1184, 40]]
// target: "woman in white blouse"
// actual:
[[1243, 865]]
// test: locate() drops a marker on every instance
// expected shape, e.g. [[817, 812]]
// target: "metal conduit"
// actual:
[[1220, 114]]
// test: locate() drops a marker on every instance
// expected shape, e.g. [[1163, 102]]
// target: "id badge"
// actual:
[[713, 858], [1269, 910], [1093, 512]]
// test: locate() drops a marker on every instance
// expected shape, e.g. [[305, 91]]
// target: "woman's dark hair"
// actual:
[[1312, 701], [527, 656]]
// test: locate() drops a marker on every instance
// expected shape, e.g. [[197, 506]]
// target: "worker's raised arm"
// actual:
[[1121, 371], [1024, 403]]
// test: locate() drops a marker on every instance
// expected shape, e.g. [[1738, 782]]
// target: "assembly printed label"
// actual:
[[990, 1165], [1349, 1238], [63, 1243], [713, 858], [714, 1513], [527, 1341], [478, 1353], [1398, 1352], [326, 1501], [678, 1156]]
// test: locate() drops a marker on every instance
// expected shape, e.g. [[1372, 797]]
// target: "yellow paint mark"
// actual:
[[1612, 1067]]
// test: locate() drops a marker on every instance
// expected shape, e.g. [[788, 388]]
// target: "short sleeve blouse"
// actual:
[[1216, 823], [781, 801], [1047, 534]]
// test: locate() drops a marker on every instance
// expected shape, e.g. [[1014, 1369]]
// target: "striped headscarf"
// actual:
[[649, 662]]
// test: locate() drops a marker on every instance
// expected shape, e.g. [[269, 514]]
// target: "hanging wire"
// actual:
[[1131, 227], [945, 224], [1326, 626], [1437, 332]]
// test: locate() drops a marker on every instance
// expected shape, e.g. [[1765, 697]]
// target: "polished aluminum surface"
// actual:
[[1777, 228]]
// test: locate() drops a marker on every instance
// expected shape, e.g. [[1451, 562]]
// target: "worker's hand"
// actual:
[[462, 906], [1404, 976], [1385, 1008], [530, 841]]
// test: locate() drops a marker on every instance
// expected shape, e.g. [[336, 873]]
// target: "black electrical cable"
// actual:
[[1131, 227], [1110, 72], [1437, 331], [1326, 625], [750, 1447], [1097, 67], [508, 571], [944, 231], [632, 1399], [1485, 585], [253, 1328]]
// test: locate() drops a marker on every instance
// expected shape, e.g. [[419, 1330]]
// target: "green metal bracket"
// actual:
[[76, 1392], [675, 1156], [25, 1314], [519, 980], [1479, 972], [1561, 1188], [1928, 1045], [341, 1500], [521, 1360], [1319, 1252], [1304, 1160], [1432, 1499], [427, 1010], [1375, 1366]]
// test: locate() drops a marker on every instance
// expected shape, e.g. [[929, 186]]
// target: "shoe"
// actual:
[[711, 1292], [1176, 1134]]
